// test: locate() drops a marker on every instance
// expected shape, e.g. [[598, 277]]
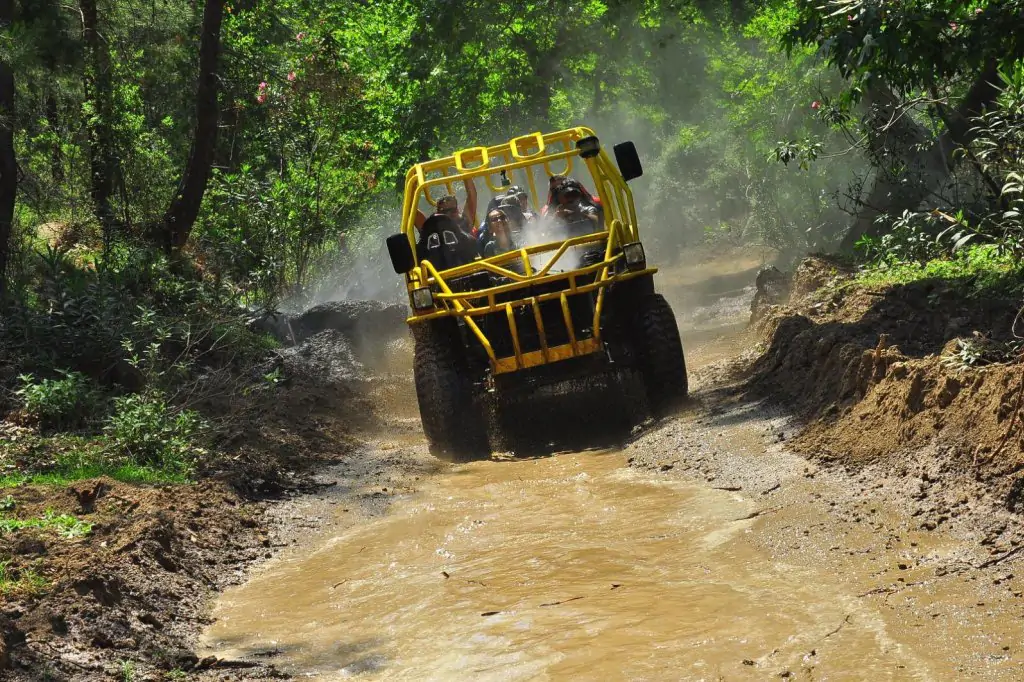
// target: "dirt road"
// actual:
[[698, 549]]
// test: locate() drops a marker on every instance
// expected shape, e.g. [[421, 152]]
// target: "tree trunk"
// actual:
[[8, 161], [99, 91], [184, 208], [928, 160], [56, 153]]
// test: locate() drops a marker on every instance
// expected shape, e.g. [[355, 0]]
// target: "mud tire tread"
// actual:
[[453, 423], [660, 357]]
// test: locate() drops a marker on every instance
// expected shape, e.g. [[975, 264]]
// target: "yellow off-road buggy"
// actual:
[[581, 303]]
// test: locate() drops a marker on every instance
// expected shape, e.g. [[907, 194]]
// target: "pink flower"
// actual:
[[263, 86], [978, 11], [849, 17], [300, 36], [261, 98], [291, 76], [815, 105], [953, 25]]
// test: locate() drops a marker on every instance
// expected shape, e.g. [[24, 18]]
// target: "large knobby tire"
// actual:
[[452, 420], [659, 353]]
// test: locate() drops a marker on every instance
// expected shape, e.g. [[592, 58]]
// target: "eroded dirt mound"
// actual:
[[128, 589], [120, 601], [879, 377], [359, 321]]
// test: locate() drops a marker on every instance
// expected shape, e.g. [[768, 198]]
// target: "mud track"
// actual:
[[699, 547]]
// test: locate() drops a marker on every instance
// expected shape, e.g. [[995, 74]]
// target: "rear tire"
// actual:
[[659, 354], [452, 419]]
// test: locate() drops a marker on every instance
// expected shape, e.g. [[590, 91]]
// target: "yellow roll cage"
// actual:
[[525, 152]]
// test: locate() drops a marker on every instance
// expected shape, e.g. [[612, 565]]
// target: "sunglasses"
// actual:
[[498, 219], [449, 210]]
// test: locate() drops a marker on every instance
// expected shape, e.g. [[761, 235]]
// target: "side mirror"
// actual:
[[628, 160], [402, 258]]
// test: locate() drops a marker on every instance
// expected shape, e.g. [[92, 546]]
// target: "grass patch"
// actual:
[[126, 473], [61, 459], [65, 525], [977, 270], [25, 582]]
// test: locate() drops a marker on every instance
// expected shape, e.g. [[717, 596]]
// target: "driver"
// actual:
[[444, 243]]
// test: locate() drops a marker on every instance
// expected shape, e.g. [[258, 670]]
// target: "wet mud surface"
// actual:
[[571, 567], [703, 550]]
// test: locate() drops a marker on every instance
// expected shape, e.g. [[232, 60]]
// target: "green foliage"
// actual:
[[914, 45], [983, 270], [58, 403], [126, 671], [65, 525], [149, 432], [325, 105], [62, 475]]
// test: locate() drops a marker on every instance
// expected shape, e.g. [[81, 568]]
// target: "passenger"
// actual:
[[448, 205], [481, 230], [555, 182], [499, 228], [573, 209], [444, 243], [512, 208], [524, 206]]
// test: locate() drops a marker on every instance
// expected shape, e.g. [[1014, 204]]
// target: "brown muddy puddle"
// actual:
[[567, 567]]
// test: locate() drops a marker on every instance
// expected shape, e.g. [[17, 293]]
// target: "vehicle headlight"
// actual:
[[422, 298], [635, 257]]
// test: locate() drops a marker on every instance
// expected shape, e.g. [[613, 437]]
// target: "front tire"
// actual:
[[453, 423], [659, 354]]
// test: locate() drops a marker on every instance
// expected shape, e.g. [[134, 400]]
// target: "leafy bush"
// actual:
[[58, 403], [149, 432], [981, 270]]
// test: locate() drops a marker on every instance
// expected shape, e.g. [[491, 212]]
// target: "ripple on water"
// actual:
[[566, 567]]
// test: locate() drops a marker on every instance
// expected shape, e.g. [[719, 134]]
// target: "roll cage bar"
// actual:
[[523, 152]]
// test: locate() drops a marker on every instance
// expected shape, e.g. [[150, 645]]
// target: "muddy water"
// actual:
[[567, 567]]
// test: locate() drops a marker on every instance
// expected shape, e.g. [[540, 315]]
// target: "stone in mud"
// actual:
[[772, 290], [359, 320], [324, 358]]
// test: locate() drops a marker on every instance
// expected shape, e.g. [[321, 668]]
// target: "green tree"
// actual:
[[922, 70]]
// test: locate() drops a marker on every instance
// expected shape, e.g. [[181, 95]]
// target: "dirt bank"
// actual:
[[880, 376]]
